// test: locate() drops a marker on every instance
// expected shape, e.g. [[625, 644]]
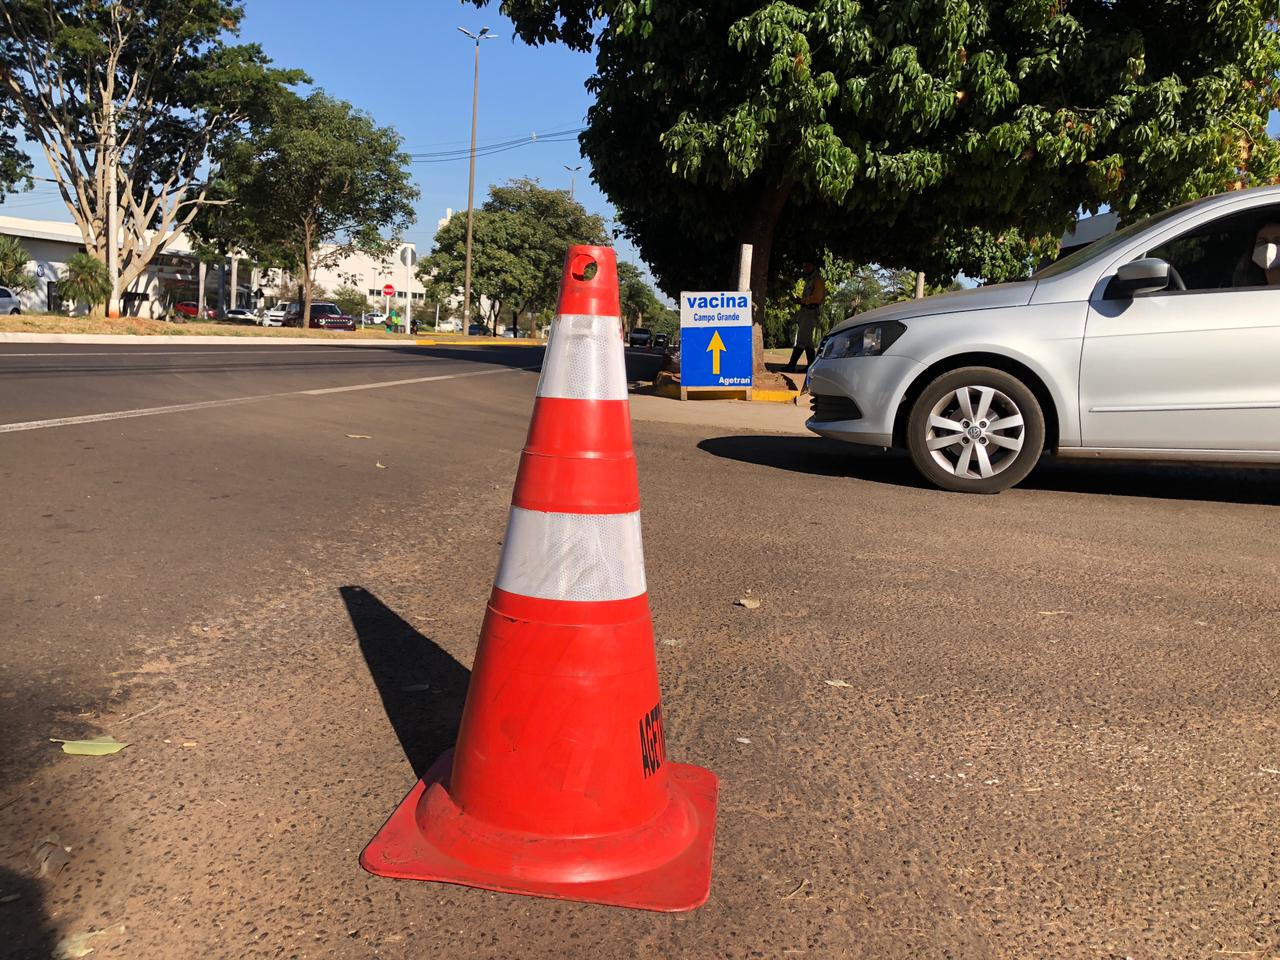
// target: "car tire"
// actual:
[[976, 430], [14, 312]]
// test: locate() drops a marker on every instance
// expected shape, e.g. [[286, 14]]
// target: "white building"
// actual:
[[369, 276], [174, 275]]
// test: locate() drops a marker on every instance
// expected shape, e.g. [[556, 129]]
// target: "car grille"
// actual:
[[830, 409]]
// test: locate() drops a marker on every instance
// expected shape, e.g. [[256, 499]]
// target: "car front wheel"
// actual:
[[976, 430]]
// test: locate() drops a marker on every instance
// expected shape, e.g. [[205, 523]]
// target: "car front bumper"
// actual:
[[856, 399]]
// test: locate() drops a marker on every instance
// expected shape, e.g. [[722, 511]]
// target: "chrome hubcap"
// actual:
[[976, 432]]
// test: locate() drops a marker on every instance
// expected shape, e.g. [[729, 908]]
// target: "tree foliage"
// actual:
[[318, 181], [519, 238], [14, 272], [150, 83], [351, 301], [640, 305], [930, 135]]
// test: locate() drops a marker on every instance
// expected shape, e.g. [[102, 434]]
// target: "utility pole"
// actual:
[[573, 176], [113, 215], [484, 34]]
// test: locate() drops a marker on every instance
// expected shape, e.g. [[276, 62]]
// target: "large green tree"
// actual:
[[15, 166], [318, 181], [125, 98], [519, 238], [939, 135], [640, 305]]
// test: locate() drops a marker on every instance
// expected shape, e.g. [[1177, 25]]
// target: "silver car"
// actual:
[[9, 302], [1158, 342]]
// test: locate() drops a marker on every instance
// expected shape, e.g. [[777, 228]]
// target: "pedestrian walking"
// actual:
[[815, 291]]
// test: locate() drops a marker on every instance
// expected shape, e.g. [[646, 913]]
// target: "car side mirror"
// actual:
[[1148, 275]]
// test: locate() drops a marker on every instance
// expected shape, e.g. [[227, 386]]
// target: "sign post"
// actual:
[[715, 342], [408, 256]]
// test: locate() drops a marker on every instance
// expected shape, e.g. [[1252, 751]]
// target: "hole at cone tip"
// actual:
[[583, 267]]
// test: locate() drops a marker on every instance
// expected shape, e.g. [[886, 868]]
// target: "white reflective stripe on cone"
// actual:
[[572, 556], [584, 359]]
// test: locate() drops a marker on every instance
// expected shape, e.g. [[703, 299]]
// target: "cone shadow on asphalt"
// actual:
[[422, 687], [25, 929]]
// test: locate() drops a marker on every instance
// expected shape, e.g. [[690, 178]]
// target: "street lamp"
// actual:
[[484, 34], [573, 176]]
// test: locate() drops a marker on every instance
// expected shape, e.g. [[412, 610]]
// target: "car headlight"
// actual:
[[868, 340]]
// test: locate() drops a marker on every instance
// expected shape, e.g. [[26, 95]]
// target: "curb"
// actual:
[[670, 390], [195, 339], [481, 342]]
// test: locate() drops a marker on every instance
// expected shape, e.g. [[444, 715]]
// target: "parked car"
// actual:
[[478, 330], [240, 315], [661, 341], [452, 325], [1158, 342], [190, 308], [275, 316], [374, 318], [9, 301], [324, 316], [640, 337]]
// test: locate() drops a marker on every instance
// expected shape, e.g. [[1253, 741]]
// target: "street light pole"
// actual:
[[573, 177], [484, 34]]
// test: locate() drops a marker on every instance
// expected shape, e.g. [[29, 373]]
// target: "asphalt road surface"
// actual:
[[1041, 724]]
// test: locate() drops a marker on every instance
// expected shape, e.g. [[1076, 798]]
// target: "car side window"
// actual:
[[5, 294], [1219, 255]]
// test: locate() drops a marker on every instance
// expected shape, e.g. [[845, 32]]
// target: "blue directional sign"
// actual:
[[715, 340]]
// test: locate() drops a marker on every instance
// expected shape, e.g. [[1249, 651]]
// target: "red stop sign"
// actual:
[[388, 291]]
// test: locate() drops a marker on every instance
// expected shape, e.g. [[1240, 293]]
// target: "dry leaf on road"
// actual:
[[380, 465], [837, 683], [97, 747], [49, 856], [749, 602], [359, 436]]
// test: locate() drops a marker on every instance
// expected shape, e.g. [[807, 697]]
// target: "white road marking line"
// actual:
[[400, 383], [194, 351], [233, 401]]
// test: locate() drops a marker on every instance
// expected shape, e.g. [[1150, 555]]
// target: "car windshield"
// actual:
[[1105, 245], [325, 310]]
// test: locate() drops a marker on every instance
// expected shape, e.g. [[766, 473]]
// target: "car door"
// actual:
[[1193, 369]]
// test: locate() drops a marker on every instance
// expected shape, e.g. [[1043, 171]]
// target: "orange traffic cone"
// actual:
[[560, 785]]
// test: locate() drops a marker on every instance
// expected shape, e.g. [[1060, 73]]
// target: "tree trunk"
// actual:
[[305, 299], [235, 281], [201, 269], [759, 233]]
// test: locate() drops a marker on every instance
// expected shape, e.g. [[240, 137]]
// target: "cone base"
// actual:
[[402, 851]]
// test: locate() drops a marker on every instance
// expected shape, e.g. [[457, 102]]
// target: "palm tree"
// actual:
[[85, 281], [13, 266]]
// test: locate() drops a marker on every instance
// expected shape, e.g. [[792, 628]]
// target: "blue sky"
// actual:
[[406, 64]]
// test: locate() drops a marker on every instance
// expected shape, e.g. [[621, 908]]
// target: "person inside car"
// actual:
[[1262, 267]]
